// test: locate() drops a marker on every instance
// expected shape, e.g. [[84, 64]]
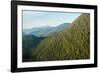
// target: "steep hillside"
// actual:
[[71, 44]]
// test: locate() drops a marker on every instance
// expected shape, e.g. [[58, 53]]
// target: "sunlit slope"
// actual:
[[70, 44]]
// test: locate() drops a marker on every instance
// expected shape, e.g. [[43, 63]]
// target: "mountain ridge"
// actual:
[[44, 31]]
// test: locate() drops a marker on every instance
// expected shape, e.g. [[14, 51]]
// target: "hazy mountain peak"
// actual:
[[44, 31]]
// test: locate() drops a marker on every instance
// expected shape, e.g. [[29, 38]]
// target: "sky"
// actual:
[[34, 19]]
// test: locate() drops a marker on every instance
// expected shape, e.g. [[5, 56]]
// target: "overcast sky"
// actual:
[[32, 19]]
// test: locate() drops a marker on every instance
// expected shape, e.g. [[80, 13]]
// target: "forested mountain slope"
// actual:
[[29, 42]]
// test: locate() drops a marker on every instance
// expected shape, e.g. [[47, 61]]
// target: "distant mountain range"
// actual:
[[46, 31]]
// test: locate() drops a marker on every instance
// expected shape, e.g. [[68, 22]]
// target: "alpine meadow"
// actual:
[[66, 41]]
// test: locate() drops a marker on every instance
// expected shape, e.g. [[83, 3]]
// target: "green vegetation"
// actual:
[[71, 44]]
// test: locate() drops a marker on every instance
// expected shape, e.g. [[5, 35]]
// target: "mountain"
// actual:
[[42, 31], [62, 27], [72, 43], [29, 42], [45, 31]]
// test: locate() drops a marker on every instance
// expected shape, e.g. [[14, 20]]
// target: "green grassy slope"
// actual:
[[71, 44]]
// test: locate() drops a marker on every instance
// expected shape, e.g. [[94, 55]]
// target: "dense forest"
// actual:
[[72, 43]]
